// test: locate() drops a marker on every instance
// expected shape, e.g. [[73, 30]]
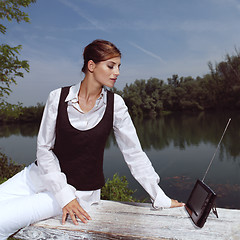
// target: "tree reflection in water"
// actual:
[[179, 145]]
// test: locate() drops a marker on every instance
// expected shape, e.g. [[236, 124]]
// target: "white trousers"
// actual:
[[21, 206]]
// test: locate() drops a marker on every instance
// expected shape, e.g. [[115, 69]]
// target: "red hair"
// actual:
[[99, 50]]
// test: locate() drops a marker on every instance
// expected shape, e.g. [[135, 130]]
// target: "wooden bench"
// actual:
[[115, 220]]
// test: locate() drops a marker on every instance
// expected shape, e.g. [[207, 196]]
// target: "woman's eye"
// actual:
[[111, 67]]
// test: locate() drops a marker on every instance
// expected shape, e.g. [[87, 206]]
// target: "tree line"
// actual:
[[18, 113], [219, 89]]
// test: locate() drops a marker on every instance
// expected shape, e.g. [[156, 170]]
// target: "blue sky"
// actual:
[[157, 38]]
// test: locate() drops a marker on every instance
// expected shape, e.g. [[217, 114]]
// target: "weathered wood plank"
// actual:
[[114, 220]]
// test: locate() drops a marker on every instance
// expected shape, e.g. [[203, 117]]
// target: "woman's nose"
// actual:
[[117, 72]]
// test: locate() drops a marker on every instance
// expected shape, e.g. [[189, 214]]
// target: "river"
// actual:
[[180, 147]]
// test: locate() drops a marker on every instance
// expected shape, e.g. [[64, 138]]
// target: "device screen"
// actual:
[[197, 199]]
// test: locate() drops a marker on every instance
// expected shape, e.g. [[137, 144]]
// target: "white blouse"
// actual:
[[48, 175]]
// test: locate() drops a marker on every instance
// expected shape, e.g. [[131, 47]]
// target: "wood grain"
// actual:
[[115, 220]]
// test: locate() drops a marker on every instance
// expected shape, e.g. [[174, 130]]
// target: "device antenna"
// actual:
[[216, 149]]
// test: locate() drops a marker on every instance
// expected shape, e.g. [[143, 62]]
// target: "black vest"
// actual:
[[80, 153]]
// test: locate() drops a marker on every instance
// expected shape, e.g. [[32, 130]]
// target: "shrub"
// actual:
[[117, 190], [8, 168]]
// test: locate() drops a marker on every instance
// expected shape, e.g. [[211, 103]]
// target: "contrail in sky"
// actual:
[[79, 11], [147, 52]]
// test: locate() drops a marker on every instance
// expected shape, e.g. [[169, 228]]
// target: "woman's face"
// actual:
[[106, 72]]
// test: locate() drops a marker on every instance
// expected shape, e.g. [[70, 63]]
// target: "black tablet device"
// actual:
[[200, 203]]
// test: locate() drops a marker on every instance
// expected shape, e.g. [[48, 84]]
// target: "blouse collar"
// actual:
[[74, 90]]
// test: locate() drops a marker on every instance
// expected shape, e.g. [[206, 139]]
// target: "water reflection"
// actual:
[[181, 130], [180, 147], [184, 130], [25, 130]]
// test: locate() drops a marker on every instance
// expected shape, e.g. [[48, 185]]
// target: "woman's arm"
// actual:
[[54, 180], [137, 161]]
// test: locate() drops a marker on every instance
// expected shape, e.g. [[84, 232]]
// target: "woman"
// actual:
[[68, 173]]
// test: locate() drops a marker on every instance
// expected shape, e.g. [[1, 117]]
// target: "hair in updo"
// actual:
[[99, 50]]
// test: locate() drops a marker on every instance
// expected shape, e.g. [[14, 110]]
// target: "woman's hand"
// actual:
[[74, 210], [175, 203]]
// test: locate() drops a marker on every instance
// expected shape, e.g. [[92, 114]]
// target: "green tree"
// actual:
[[226, 75], [132, 95], [11, 66]]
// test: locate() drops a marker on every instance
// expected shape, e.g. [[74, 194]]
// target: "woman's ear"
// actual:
[[91, 65]]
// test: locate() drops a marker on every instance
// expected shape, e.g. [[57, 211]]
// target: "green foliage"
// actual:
[[143, 98], [10, 112], [2, 180], [8, 168], [32, 113], [117, 190], [16, 113], [10, 10], [226, 76], [220, 89], [10, 65]]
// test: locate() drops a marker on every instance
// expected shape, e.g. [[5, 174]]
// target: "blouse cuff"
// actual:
[[161, 201], [65, 196]]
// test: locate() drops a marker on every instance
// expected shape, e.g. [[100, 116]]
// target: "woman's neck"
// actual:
[[88, 94], [89, 90]]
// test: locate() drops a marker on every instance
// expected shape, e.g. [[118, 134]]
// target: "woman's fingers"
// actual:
[[73, 217], [84, 213], [64, 216], [175, 203], [75, 210]]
